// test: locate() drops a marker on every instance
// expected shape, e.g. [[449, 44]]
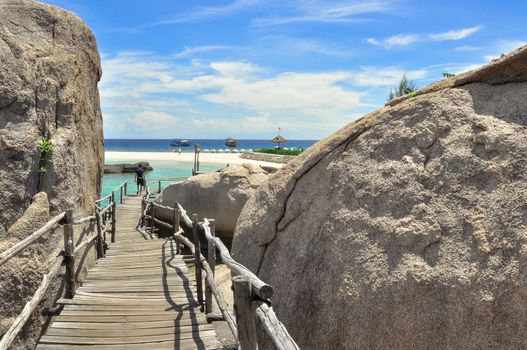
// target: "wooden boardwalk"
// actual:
[[140, 296]]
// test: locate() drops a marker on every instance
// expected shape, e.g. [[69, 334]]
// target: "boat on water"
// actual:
[[230, 142], [180, 143]]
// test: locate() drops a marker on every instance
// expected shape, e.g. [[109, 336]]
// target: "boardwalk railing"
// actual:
[[105, 222], [251, 294]]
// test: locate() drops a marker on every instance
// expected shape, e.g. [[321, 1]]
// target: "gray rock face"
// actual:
[[220, 195], [406, 229], [49, 72]]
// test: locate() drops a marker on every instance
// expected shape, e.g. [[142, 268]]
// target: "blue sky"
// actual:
[[210, 69]]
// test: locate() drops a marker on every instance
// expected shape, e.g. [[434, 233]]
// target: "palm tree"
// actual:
[[404, 88]]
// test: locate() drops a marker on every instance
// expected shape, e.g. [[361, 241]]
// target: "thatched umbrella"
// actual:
[[278, 139]]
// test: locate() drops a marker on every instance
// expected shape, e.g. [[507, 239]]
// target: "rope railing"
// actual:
[[251, 294], [66, 255]]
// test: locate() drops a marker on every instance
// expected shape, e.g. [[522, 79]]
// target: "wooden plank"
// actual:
[[120, 318], [127, 302], [51, 339], [202, 343], [125, 325], [130, 312], [108, 333], [139, 296], [145, 307]]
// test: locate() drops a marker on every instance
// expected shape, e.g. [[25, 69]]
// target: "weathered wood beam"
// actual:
[[30, 306], [17, 248], [274, 328], [245, 318]]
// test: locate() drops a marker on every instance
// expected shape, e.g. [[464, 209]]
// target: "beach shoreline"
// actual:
[[220, 159]]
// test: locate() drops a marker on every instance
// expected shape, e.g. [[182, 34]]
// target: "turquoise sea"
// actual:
[[162, 169], [173, 169]]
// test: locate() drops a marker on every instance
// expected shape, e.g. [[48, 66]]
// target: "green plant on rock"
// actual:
[[405, 88], [448, 75], [45, 146]]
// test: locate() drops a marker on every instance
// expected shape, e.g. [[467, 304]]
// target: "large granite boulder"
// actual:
[[406, 229], [49, 72], [220, 195]]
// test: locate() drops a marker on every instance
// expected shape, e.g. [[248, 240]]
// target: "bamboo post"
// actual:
[[245, 317], [175, 221], [197, 261], [126, 188], [197, 161], [69, 254], [152, 215], [143, 205], [158, 186], [113, 222], [100, 247], [121, 194], [211, 250]]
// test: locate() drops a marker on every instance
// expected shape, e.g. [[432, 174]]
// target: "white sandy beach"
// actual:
[[221, 159]]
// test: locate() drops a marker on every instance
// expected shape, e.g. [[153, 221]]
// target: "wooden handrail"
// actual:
[[67, 255], [260, 288], [83, 220], [22, 318], [17, 248], [258, 308], [85, 242], [274, 328], [209, 277]]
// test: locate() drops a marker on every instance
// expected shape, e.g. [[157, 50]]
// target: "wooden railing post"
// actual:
[[126, 188], [197, 261], [113, 222], [69, 255], [175, 221], [152, 215], [121, 194], [158, 186], [143, 206], [211, 250], [100, 243], [245, 317]]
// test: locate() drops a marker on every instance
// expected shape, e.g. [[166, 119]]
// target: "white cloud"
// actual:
[[503, 47], [467, 48], [396, 40], [149, 122], [454, 34], [325, 12], [233, 96], [380, 77], [407, 39], [190, 51], [293, 11]]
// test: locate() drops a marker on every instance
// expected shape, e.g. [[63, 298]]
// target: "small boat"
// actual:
[[230, 142], [180, 143]]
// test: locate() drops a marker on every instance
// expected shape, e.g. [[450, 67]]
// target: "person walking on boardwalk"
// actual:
[[140, 178]]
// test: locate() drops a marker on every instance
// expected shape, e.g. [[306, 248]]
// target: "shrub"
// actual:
[[286, 152]]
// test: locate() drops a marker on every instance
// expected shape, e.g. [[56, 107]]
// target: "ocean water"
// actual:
[[164, 145], [173, 169]]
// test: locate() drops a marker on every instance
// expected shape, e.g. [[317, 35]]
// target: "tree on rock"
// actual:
[[404, 88]]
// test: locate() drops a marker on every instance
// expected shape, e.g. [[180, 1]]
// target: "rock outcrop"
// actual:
[[126, 167], [406, 229], [220, 195], [49, 72]]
